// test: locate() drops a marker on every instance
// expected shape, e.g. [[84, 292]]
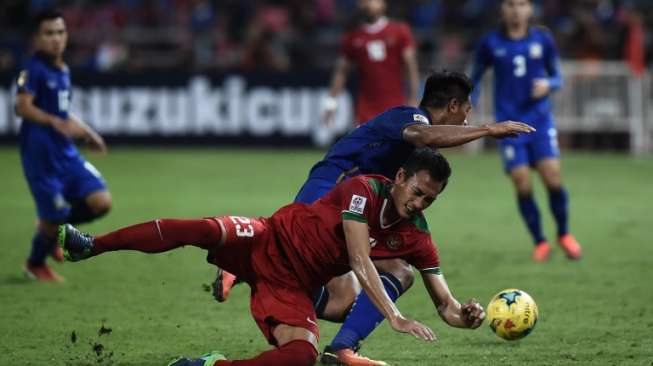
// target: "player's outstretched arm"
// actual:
[[452, 135], [358, 247], [469, 315]]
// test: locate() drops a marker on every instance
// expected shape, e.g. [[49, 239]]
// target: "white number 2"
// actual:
[[520, 65], [239, 221], [64, 100], [376, 50]]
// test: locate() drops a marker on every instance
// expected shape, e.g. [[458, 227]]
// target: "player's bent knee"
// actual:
[[400, 269], [301, 353], [285, 334]]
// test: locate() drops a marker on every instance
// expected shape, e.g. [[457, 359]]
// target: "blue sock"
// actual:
[[41, 247], [364, 317], [559, 203], [531, 216]]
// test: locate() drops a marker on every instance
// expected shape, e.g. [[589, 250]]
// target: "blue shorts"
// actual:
[[54, 191], [530, 149]]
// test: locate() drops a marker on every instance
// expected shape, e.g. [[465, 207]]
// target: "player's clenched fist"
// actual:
[[473, 314]]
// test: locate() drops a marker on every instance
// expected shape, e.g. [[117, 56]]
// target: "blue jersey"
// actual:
[[42, 147], [516, 63], [376, 147]]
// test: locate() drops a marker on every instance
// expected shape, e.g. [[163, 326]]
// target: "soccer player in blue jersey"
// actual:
[[526, 71], [65, 187], [381, 146]]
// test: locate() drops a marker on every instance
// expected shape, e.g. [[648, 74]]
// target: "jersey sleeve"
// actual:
[[406, 39], [357, 200], [347, 47], [392, 126], [425, 256], [29, 79], [552, 61]]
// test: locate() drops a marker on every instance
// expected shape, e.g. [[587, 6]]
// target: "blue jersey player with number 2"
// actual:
[[65, 187], [381, 146], [526, 71]]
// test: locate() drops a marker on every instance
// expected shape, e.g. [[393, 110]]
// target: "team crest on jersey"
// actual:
[[420, 118], [394, 242], [535, 50], [357, 204]]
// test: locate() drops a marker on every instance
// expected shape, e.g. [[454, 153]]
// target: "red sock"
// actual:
[[160, 235], [295, 353]]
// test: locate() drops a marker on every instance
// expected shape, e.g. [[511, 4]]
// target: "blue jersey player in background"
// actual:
[[526, 71], [65, 187], [381, 146]]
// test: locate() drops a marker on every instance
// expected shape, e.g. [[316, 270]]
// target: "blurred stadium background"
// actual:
[[254, 71]]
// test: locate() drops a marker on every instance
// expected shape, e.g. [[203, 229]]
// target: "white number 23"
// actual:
[[243, 225]]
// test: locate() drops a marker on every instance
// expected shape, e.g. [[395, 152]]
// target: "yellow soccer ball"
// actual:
[[512, 314]]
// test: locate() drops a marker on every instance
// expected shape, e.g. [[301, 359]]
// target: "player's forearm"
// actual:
[[370, 281], [450, 136], [339, 78], [33, 113], [412, 71]]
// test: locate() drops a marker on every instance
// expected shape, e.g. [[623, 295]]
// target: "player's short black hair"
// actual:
[[42, 16], [428, 158], [442, 86]]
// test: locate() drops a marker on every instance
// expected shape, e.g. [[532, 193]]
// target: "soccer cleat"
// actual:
[[542, 251], [75, 244], [570, 245], [222, 285], [42, 273], [346, 357], [208, 359], [57, 254]]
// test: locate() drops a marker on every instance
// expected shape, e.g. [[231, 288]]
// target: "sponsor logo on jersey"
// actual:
[[394, 242], [372, 242], [357, 204], [420, 118], [535, 50]]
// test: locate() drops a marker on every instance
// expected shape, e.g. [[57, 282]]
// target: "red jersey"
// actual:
[[313, 240], [377, 51]]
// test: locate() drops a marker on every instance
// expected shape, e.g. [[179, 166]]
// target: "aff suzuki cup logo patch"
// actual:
[[420, 118], [357, 204]]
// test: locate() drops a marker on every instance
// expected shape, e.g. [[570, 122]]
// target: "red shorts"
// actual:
[[252, 253]]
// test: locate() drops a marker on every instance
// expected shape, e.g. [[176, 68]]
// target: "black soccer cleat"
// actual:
[[75, 244]]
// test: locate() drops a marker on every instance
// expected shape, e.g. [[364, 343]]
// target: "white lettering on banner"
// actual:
[[262, 111], [200, 108]]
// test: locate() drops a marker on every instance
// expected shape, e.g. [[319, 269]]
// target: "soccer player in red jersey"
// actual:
[[285, 258], [381, 50]]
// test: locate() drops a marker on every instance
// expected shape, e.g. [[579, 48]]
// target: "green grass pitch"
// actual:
[[598, 311]]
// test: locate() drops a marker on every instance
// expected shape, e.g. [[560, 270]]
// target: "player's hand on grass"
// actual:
[[541, 88], [415, 328], [473, 314], [508, 129]]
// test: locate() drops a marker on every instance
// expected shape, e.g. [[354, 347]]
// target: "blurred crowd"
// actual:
[[282, 35]]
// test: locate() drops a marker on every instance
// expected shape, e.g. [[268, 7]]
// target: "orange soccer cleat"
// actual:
[[542, 252], [347, 357], [42, 273], [222, 285], [570, 245]]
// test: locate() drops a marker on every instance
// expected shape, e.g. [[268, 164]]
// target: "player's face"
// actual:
[[516, 12], [458, 113], [52, 37], [413, 194], [371, 9]]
